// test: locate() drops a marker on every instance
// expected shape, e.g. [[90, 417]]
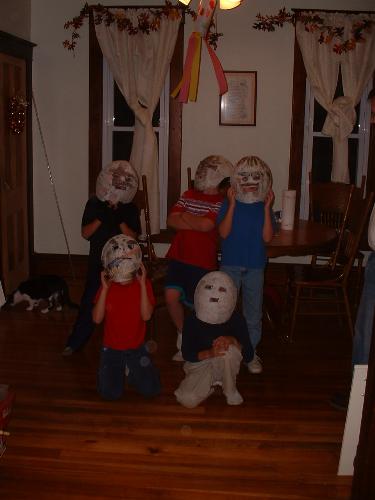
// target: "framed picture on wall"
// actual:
[[238, 105]]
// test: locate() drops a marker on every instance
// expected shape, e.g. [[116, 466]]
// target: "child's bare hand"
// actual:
[[106, 281], [270, 198], [141, 273], [231, 195]]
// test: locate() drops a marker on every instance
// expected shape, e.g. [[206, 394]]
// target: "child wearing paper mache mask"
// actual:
[[125, 301], [245, 224], [214, 342], [106, 214], [193, 251]]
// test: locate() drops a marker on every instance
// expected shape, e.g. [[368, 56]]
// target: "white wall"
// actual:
[[15, 17], [61, 91]]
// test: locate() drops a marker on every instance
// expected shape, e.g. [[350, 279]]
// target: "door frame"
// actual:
[[23, 49]]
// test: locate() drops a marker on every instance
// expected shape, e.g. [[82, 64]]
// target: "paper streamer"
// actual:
[[288, 208]]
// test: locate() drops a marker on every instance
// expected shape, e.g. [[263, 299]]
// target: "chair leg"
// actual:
[[294, 315], [348, 313]]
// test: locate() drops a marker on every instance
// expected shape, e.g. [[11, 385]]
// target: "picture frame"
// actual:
[[238, 105]]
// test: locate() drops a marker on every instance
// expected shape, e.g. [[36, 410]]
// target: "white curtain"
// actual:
[[322, 68], [139, 64]]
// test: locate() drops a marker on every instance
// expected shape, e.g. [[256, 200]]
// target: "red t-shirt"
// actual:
[[197, 248], [124, 327]]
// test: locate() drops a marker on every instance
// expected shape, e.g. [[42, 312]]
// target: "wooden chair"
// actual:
[[329, 204], [156, 268], [141, 200], [312, 286], [190, 180]]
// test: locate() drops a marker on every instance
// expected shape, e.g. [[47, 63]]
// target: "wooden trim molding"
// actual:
[[23, 49], [297, 126]]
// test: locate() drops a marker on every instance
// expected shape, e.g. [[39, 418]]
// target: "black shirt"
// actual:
[[198, 336], [111, 219]]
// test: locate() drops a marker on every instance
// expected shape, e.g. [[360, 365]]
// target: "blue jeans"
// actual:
[[251, 281], [84, 326], [142, 373], [365, 316]]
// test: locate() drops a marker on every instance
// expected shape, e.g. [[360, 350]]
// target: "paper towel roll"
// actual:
[[288, 207]]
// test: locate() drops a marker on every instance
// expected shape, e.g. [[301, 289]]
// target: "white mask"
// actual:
[[252, 179], [121, 258], [211, 171], [117, 183], [215, 298]]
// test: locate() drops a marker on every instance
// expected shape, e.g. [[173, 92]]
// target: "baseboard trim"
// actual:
[[74, 266]]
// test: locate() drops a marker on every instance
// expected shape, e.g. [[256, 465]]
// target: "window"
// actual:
[[118, 131], [318, 147], [96, 147]]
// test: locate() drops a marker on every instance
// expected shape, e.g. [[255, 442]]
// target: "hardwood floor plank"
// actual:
[[282, 443]]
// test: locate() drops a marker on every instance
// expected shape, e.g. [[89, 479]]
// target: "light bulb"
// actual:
[[229, 4]]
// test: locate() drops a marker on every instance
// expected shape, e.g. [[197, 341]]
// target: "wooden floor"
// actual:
[[65, 443]]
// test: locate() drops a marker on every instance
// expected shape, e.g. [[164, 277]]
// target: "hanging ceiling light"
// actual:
[[223, 4]]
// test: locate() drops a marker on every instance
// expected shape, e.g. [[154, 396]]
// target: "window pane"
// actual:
[[156, 116], [319, 116], [122, 145], [353, 159], [322, 159], [123, 115]]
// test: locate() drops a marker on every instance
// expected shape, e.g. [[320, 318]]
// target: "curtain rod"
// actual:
[[338, 11]]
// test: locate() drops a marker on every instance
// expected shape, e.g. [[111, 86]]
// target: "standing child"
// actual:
[[245, 225], [193, 251], [125, 301], [108, 213], [214, 342]]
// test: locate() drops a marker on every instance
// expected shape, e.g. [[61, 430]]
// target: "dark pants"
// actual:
[[84, 326], [143, 375]]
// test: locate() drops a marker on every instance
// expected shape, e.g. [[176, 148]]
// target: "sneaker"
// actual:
[[340, 401], [234, 399], [178, 356], [68, 351], [255, 365]]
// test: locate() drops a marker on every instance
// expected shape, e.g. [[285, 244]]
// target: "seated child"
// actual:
[[193, 251], [214, 341], [125, 301]]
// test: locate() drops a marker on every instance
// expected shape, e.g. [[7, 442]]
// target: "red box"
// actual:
[[6, 402]]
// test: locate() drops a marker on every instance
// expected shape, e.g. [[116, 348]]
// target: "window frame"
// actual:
[[297, 131], [362, 136], [173, 180]]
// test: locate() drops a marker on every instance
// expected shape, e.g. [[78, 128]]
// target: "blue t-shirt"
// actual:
[[244, 246]]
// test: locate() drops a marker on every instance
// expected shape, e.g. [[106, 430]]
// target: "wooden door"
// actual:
[[14, 241]]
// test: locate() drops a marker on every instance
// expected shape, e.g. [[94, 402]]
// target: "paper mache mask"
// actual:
[[121, 258], [211, 171], [215, 298], [251, 180], [117, 183]]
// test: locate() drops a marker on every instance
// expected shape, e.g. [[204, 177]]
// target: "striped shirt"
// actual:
[[197, 248]]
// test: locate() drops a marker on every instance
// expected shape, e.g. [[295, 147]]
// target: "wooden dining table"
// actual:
[[305, 238]]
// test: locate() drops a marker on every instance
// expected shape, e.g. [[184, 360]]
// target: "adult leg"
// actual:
[[365, 316], [143, 375], [84, 325], [110, 383], [197, 384]]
